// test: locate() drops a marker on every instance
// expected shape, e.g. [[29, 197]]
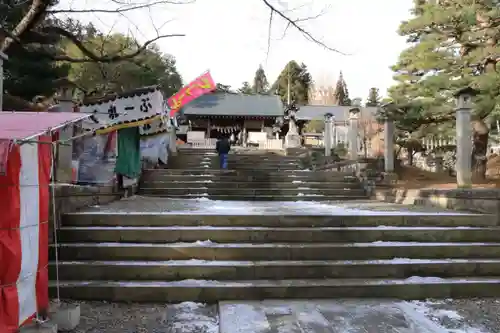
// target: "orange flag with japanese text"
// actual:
[[200, 86]]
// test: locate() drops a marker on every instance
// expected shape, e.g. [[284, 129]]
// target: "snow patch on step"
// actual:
[[192, 181], [284, 263], [300, 194]]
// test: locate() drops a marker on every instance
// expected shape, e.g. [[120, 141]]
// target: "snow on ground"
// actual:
[[200, 204], [189, 319], [340, 316], [438, 320]]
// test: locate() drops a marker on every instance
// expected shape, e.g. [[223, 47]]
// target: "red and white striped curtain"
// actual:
[[24, 208]]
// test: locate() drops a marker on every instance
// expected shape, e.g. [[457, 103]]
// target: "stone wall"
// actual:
[[473, 200], [70, 198]]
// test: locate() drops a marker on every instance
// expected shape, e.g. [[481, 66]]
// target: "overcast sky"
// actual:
[[230, 38]]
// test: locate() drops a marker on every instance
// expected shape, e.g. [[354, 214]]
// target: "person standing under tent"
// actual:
[[223, 146]]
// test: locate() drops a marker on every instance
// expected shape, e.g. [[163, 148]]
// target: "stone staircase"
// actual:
[[251, 176], [117, 254], [151, 248]]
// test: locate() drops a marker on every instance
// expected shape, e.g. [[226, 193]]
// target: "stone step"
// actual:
[[278, 219], [206, 250], [237, 158], [248, 184], [234, 177], [268, 164], [213, 291], [248, 167], [237, 197], [251, 192], [255, 235], [292, 173], [172, 270]]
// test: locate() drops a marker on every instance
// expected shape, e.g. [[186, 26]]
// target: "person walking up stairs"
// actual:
[[223, 146]]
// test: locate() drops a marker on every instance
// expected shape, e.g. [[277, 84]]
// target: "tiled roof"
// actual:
[[341, 113], [227, 104]]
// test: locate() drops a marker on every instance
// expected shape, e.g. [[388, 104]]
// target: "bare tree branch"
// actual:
[[294, 23], [36, 9], [123, 9], [90, 56]]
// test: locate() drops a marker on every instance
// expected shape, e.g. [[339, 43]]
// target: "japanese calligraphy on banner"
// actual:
[[130, 110], [200, 86], [163, 124]]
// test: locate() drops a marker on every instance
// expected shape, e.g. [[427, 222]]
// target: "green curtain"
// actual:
[[129, 154]]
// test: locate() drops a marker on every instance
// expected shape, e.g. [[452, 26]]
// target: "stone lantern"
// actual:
[[64, 153], [388, 139], [327, 137], [464, 135], [64, 95], [354, 113]]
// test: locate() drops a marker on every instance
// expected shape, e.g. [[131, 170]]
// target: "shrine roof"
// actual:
[[341, 113], [229, 104]]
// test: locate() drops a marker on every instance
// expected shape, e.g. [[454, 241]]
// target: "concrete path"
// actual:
[[348, 316]]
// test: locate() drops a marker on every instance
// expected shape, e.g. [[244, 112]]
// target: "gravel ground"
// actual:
[[457, 316], [187, 317], [465, 314]]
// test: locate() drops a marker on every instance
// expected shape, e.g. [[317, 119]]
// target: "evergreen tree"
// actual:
[[453, 44], [300, 83], [26, 74], [260, 83], [341, 92], [223, 88], [246, 88], [373, 97]]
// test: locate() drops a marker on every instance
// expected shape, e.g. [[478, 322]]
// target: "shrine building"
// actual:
[[212, 115]]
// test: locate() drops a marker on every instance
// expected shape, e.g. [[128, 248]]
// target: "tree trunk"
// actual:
[[480, 135], [411, 153]]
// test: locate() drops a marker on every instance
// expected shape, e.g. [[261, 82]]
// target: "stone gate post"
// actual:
[[464, 136], [353, 129], [388, 145], [327, 139]]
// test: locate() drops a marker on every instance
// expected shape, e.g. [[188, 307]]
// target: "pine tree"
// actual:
[[341, 92], [453, 44], [260, 83], [373, 97], [300, 83], [245, 88], [26, 73]]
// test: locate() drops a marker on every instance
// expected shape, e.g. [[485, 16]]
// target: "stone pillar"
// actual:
[[327, 137], [2, 58], [353, 134], [388, 146], [464, 136], [334, 133]]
